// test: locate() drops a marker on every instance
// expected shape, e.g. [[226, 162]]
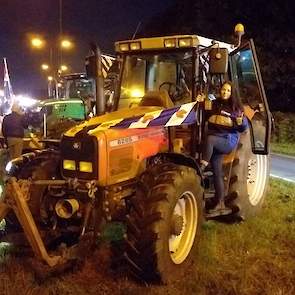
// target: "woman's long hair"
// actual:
[[234, 100]]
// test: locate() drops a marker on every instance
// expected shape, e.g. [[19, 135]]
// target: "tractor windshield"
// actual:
[[79, 88], [148, 72]]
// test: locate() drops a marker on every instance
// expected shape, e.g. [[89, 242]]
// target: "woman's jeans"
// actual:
[[215, 147]]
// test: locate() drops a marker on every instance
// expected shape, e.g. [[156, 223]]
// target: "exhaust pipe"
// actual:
[[66, 208]]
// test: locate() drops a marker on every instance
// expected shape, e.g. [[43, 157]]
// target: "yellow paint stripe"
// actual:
[[105, 126]]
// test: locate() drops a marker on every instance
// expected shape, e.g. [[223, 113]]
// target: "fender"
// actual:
[[181, 159], [13, 166]]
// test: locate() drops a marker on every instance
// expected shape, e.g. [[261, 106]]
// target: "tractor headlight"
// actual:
[[8, 166], [135, 46], [69, 165], [1, 190], [185, 42], [85, 167], [124, 47]]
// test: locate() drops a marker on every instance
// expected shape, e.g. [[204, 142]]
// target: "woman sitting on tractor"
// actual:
[[225, 121]]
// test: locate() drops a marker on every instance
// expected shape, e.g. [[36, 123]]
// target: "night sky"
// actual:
[[102, 21]]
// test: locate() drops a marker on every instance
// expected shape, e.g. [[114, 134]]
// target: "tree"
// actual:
[[269, 22]]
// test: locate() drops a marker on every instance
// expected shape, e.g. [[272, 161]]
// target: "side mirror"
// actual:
[[218, 60]]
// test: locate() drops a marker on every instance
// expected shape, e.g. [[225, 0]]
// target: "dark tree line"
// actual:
[[270, 23]]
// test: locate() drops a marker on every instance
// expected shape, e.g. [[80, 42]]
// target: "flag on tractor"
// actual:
[[8, 96]]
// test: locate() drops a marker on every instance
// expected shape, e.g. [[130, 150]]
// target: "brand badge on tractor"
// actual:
[[77, 146]]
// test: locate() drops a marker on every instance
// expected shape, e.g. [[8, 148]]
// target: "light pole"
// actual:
[[40, 43], [49, 86]]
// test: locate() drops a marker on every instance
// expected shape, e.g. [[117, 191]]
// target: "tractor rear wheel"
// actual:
[[164, 223], [249, 179]]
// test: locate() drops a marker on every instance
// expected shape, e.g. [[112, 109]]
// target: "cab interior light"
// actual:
[[136, 92]]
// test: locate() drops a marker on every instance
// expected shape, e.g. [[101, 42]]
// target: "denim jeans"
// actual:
[[215, 147]]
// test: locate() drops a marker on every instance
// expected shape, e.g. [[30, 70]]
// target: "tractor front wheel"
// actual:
[[164, 223]]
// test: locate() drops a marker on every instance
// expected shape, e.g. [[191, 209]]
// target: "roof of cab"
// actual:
[[154, 43]]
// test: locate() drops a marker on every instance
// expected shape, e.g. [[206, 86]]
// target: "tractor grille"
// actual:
[[80, 149]]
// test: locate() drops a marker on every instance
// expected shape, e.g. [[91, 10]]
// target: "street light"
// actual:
[[63, 68], [45, 67], [54, 68], [53, 87], [66, 44], [37, 42]]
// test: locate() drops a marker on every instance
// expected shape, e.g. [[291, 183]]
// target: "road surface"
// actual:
[[283, 167]]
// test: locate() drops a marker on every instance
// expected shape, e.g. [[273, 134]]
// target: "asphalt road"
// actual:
[[283, 167]]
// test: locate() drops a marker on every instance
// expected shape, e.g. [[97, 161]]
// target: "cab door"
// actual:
[[245, 74]]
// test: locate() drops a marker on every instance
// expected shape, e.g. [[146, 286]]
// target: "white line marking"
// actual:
[[284, 178], [283, 156]]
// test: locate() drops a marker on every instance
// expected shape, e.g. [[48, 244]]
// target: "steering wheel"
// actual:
[[175, 92]]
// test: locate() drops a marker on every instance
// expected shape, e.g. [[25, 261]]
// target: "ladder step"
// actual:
[[209, 195]]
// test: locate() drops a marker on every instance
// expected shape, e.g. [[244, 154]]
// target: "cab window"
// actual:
[[246, 76]]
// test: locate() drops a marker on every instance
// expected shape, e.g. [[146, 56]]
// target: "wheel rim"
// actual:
[[257, 177], [181, 244]]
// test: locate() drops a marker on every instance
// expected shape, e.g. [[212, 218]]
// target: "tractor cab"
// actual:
[[156, 65], [174, 70]]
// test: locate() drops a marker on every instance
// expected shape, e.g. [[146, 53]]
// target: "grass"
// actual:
[[283, 148], [253, 257]]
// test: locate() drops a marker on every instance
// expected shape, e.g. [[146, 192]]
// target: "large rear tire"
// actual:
[[248, 181], [164, 223]]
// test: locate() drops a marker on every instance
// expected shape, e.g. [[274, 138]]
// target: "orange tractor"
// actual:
[[137, 165]]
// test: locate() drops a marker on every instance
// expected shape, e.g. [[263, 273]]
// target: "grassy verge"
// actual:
[[283, 148], [253, 257]]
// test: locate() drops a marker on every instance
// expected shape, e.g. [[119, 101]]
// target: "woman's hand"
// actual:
[[201, 97], [239, 120]]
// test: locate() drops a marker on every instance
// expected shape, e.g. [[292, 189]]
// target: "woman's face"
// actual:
[[225, 91]]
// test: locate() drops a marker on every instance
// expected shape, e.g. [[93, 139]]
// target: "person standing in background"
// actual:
[[13, 126]]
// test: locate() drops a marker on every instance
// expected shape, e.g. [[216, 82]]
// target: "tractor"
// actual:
[[137, 164]]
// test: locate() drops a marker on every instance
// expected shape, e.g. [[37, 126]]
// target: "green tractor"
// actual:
[[51, 117], [76, 100], [138, 164]]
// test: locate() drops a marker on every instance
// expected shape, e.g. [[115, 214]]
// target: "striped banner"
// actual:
[[204, 59], [180, 115], [7, 100], [107, 62]]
